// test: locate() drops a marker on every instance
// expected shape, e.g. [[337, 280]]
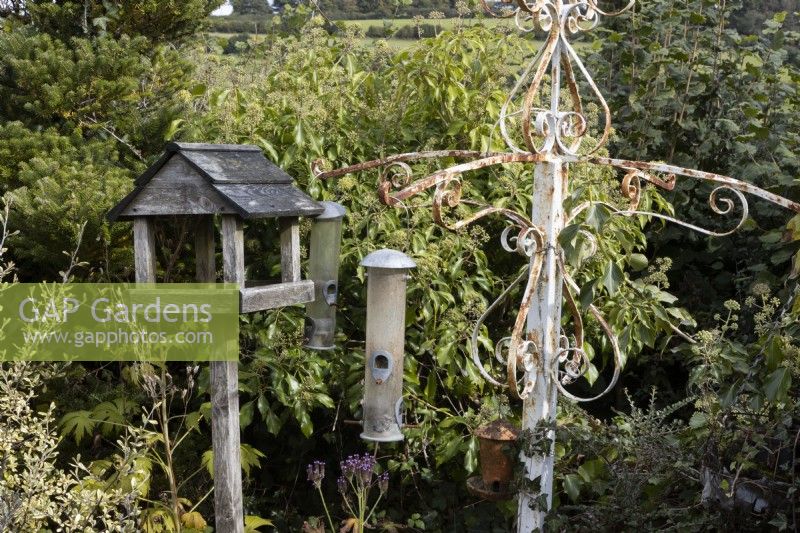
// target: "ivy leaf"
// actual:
[[252, 523], [778, 384], [304, 419], [586, 296], [274, 424], [449, 451], [592, 470], [597, 216], [638, 262], [246, 414], [698, 420], [572, 486]]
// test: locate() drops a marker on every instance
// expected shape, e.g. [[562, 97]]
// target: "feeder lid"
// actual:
[[386, 258], [501, 430], [332, 211]]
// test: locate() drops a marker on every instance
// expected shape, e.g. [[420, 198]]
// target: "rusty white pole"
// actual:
[[544, 328], [544, 323]]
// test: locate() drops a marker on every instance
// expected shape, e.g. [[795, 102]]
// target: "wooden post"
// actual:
[[204, 250], [144, 250], [290, 249], [225, 401]]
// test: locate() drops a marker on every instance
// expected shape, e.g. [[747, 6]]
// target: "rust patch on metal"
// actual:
[[719, 179], [497, 456]]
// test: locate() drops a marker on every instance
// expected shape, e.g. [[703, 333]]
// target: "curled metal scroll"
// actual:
[[714, 200], [579, 361], [521, 350]]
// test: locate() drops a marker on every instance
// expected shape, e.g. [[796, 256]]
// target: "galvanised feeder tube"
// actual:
[[387, 274], [323, 269]]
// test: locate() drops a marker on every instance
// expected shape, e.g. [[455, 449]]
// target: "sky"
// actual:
[[223, 10], [227, 9]]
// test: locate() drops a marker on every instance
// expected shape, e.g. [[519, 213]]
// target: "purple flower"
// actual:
[[383, 482], [360, 468], [316, 473], [349, 467], [366, 465], [342, 484]]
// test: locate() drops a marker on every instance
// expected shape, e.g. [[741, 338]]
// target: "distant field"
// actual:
[[397, 24]]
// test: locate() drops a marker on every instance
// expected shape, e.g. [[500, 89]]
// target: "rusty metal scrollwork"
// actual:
[[536, 131]]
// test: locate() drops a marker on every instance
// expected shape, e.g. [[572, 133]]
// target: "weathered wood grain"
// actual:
[[274, 200], [177, 146], [233, 249], [204, 250], [235, 166], [144, 250], [215, 179], [225, 436], [290, 248], [278, 295], [225, 442]]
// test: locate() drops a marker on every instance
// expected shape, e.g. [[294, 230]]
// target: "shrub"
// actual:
[[35, 494], [238, 44], [418, 31]]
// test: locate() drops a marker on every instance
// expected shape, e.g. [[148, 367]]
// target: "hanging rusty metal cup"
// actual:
[[498, 457]]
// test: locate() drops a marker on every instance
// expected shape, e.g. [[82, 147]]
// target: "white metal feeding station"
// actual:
[[547, 130]]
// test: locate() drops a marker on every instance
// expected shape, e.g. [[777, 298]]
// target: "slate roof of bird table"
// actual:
[[215, 179]]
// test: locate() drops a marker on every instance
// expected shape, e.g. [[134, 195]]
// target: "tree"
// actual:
[[89, 92], [674, 78], [251, 7], [165, 21]]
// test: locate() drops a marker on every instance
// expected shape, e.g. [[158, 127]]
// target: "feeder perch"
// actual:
[[323, 269], [498, 457], [387, 273]]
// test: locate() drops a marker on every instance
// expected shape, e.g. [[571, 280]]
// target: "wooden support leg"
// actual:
[[204, 250], [144, 250], [225, 402], [290, 249]]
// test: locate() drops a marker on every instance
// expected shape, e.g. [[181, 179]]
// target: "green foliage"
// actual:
[[369, 9], [734, 451], [82, 111], [251, 7], [109, 417], [44, 174], [237, 44], [750, 17], [674, 77], [158, 21]]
